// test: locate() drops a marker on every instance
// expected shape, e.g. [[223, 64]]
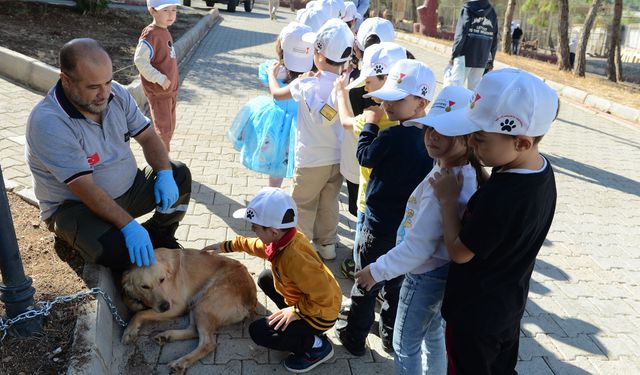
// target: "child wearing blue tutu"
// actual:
[[264, 129]]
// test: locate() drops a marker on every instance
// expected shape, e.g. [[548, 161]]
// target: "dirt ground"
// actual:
[[620, 93], [39, 30], [55, 271]]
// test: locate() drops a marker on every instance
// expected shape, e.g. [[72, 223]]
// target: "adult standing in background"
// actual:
[[475, 41]]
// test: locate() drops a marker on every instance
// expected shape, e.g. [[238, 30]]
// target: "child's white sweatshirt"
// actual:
[[420, 245]]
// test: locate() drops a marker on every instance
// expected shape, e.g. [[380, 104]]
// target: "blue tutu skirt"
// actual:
[[263, 132]]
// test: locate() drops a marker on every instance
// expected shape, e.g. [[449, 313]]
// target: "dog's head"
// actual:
[[149, 286]]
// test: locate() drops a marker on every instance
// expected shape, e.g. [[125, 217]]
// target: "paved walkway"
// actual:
[[583, 314]]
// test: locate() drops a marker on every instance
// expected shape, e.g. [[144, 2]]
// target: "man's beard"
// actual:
[[88, 107]]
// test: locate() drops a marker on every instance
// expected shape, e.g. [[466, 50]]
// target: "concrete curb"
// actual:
[[40, 76], [92, 350], [599, 103]]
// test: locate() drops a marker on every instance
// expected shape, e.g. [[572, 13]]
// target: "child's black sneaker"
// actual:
[[356, 348], [309, 361], [348, 268]]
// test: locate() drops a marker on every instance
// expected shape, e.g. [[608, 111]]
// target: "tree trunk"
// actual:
[[563, 36], [506, 26], [614, 44], [581, 51]]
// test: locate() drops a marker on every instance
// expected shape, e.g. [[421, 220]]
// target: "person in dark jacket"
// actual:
[[476, 39], [515, 39]]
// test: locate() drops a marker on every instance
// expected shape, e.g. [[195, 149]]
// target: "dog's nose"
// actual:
[[164, 306]]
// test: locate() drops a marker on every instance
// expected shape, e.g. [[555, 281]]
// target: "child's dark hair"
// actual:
[[481, 178], [371, 40], [345, 54], [410, 55]]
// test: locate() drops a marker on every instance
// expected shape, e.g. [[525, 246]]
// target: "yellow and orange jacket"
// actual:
[[300, 276]]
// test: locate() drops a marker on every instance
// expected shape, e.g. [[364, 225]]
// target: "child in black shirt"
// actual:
[[506, 221]]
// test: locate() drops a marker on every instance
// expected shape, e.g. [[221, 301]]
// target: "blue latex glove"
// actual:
[[138, 243], [165, 189]]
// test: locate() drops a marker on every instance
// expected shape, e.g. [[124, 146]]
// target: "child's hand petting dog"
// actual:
[[213, 249], [282, 318]]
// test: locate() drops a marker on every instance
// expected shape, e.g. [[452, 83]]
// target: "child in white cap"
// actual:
[[420, 253], [317, 179], [298, 282], [156, 61], [377, 62], [399, 163], [493, 247], [351, 15], [264, 128]]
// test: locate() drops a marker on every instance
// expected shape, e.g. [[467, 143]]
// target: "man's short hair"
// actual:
[[76, 49]]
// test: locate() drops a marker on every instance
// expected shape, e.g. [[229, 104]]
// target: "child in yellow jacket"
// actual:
[[303, 288]]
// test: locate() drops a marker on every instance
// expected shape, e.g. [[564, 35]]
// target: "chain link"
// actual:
[[46, 306]]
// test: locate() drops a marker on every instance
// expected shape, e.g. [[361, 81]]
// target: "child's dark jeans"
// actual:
[[362, 313], [297, 338]]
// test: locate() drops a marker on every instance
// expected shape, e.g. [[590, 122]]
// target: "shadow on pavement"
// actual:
[[568, 331], [587, 173]]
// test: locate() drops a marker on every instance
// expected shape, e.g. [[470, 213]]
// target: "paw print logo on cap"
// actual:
[[378, 68], [507, 125], [319, 45], [424, 90], [250, 214]]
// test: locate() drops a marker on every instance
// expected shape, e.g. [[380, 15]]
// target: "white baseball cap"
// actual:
[[313, 17], [407, 77], [161, 4], [451, 98], [378, 59], [332, 8], [271, 207], [350, 12], [310, 4], [375, 26], [298, 54], [508, 101], [334, 40]]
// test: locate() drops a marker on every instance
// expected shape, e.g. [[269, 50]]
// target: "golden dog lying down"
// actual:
[[216, 290]]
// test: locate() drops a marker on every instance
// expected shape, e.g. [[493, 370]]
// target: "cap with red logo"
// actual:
[[507, 101], [407, 77]]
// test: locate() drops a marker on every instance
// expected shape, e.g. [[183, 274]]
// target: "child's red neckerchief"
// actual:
[[273, 247]]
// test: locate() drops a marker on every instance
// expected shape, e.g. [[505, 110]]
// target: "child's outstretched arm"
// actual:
[[344, 108], [252, 246], [446, 186], [278, 93], [142, 59]]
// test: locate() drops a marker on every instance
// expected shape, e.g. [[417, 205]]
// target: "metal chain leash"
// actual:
[[46, 306]]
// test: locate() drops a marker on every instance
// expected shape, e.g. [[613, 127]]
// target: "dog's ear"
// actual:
[[126, 280]]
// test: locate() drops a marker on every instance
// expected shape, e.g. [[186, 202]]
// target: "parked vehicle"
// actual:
[[231, 4]]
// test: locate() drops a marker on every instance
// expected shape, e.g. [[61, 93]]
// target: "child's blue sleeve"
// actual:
[[373, 146]]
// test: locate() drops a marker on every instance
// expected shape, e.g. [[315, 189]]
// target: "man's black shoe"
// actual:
[[161, 237]]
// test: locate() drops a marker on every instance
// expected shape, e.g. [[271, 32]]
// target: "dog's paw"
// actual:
[[178, 367], [161, 338], [129, 336]]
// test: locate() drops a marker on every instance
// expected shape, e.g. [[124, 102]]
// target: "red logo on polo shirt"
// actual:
[[93, 159]]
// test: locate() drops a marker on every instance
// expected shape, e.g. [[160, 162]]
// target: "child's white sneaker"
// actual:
[[327, 252]]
